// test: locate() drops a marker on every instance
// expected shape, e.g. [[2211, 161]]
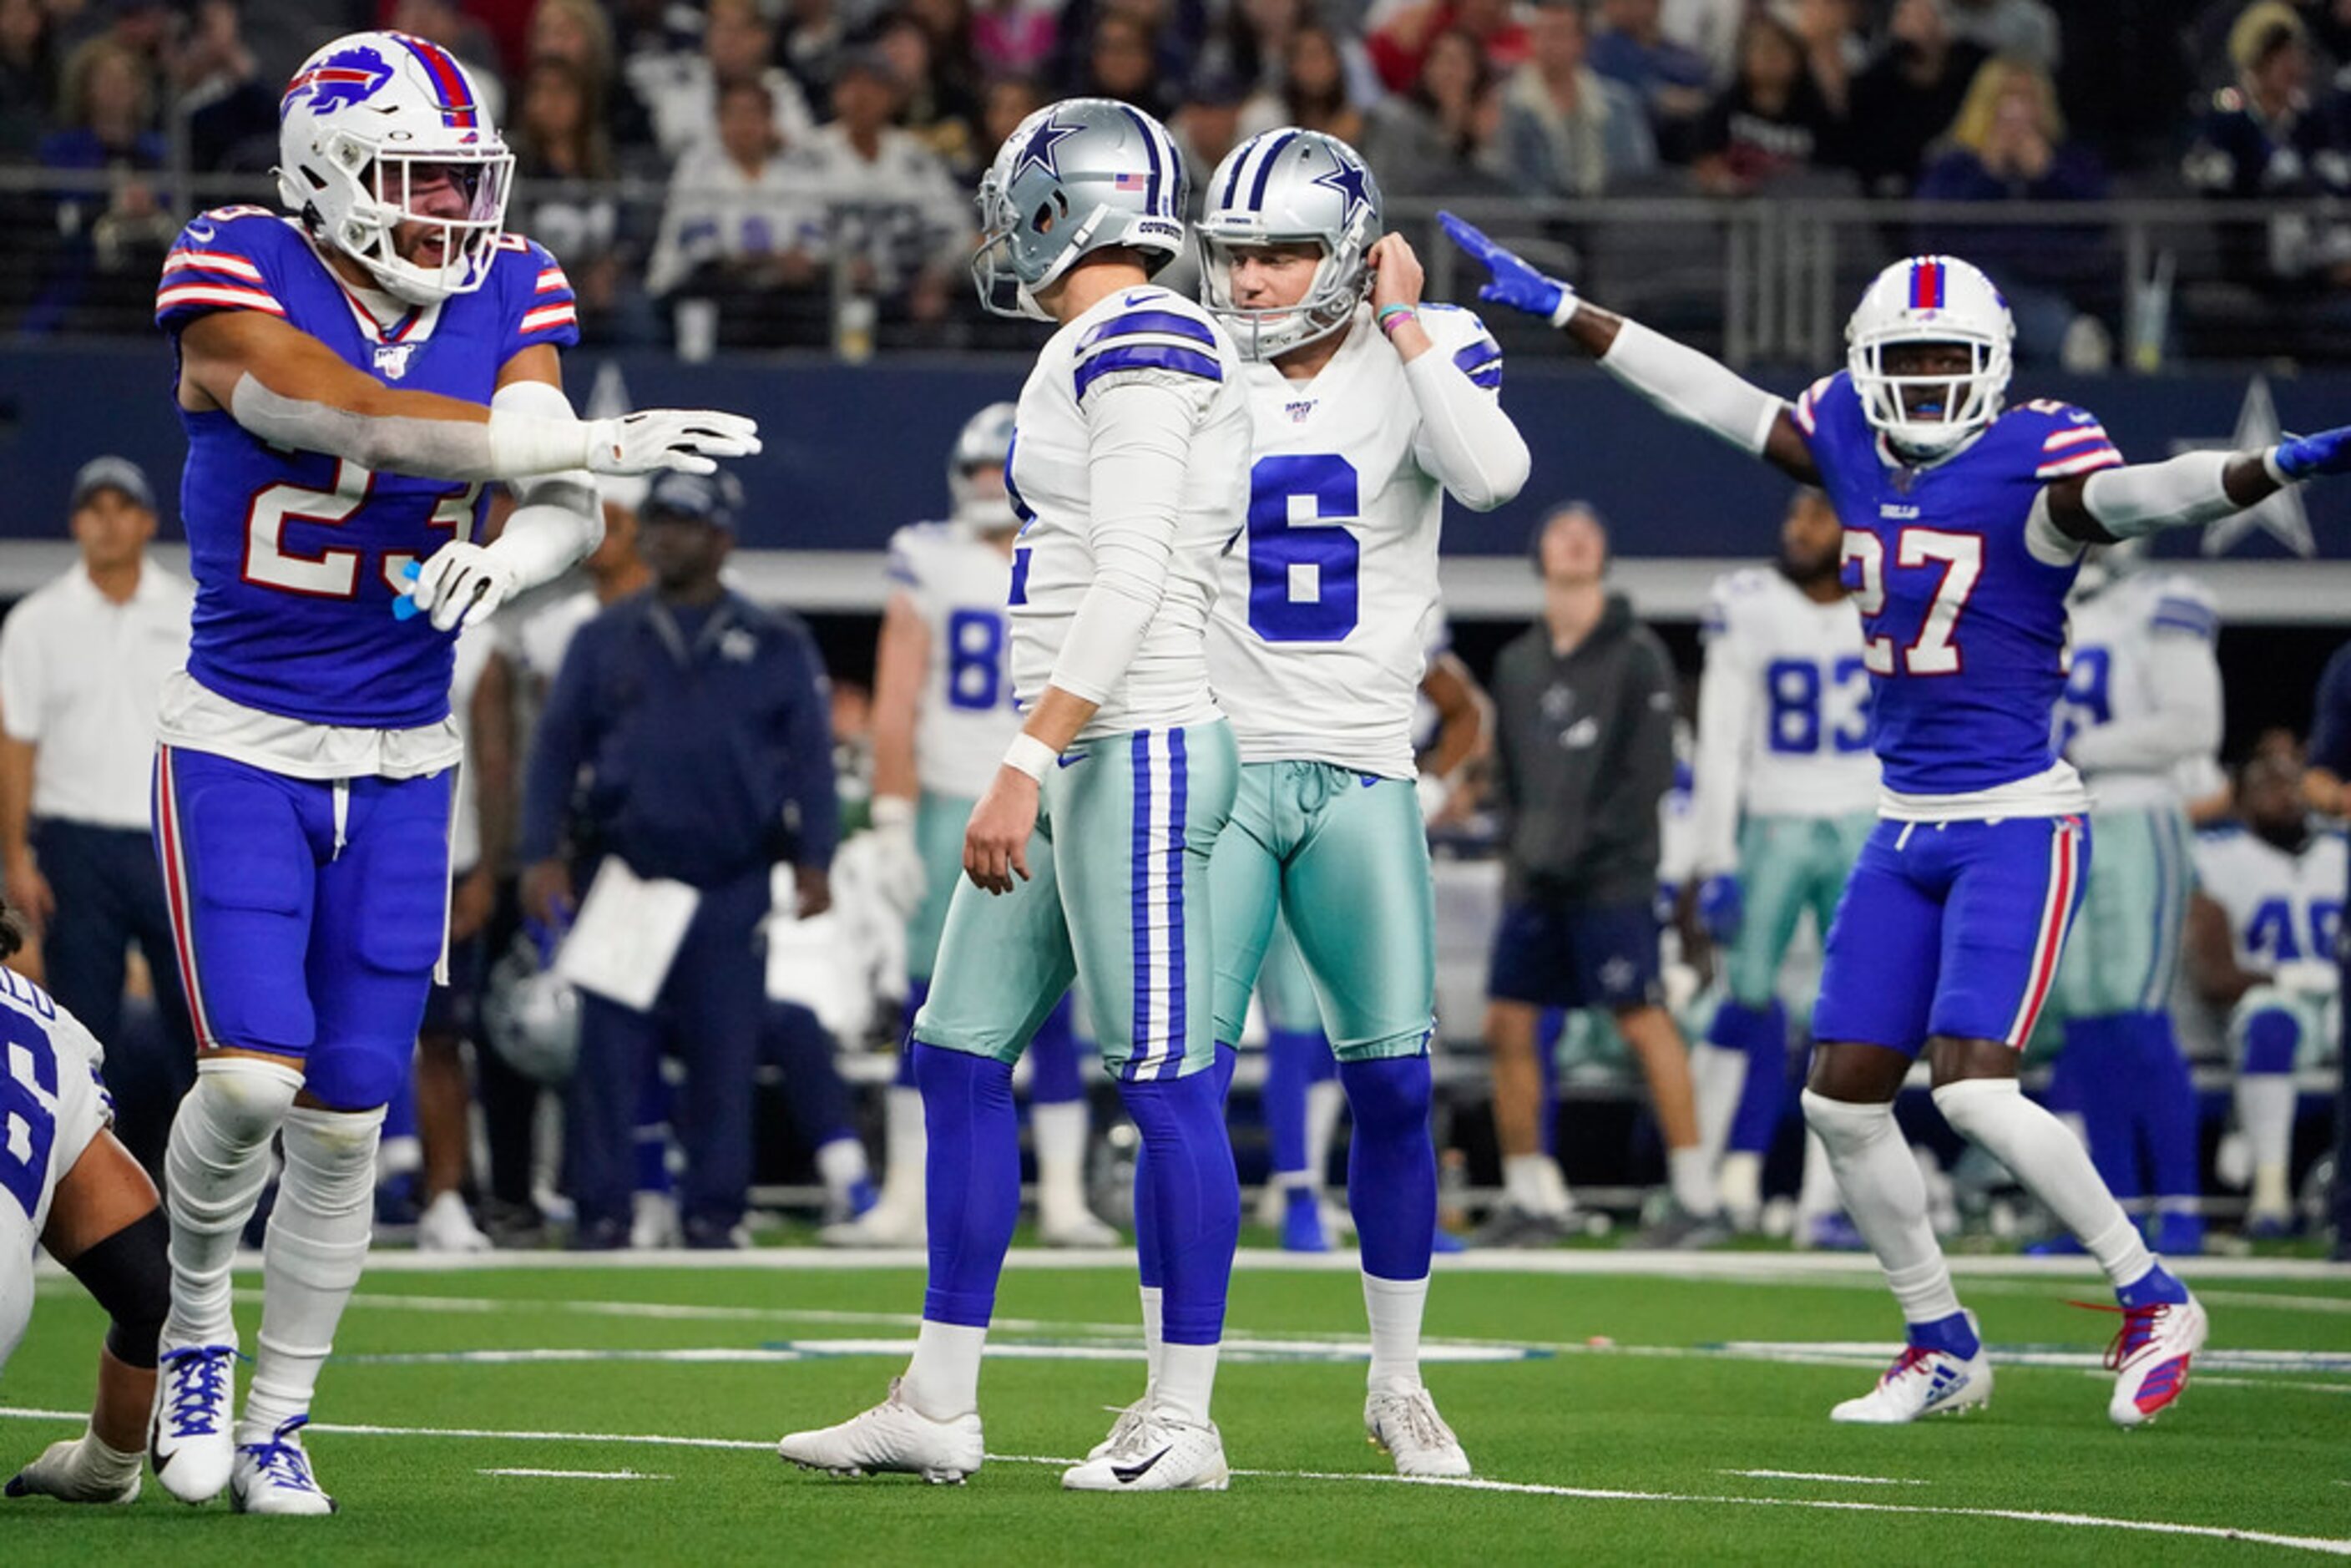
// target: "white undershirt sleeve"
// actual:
[[2185, 723], [1693, 387], [1726, 710], [1139, 438], [1465, 442]]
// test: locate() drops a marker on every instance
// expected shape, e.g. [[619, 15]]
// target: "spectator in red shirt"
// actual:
[[1398, 46]]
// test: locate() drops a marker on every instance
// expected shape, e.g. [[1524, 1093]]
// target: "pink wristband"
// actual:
[[1390, 315]]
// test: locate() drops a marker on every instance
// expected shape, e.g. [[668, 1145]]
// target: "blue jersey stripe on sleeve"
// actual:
[[1484, 352], [1185, 362], [1136, 322], [1488, 376]]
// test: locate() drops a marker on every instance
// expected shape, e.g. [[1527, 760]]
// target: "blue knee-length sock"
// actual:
[[1761, 1033], [1187, 1200], [1055, 1077], [972, 1186], [2167, 1108], [2100, 1083], [1147, 1265], [1392, 1165]]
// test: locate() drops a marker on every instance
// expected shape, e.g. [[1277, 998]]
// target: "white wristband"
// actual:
[[1029, 754], [524, 444], [2283, 480], [891, 811], [1564, 311]]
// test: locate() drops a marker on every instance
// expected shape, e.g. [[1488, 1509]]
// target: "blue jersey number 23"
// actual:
[[1302, 575]]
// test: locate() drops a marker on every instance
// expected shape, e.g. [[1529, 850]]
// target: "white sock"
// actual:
[[1717, 1077], [1155, 1300], [943, 1380], [311, 1260], [1394, 1307], [1817, 1194], [1692, 1180], [1058, 1135], [840, 1165], [1187, 1378], [1742, 1182], [2265, 1112], [1527, 1182], [214, 1167], [1882, 1192], [1324, 1100], [1994, 1115], [905, 1146]]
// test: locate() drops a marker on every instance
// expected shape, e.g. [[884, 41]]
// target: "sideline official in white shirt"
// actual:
[[82, 665]]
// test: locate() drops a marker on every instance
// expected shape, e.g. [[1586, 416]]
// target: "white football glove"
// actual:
[[79, 1470], [683, 439], [897, 859], [462, 580]]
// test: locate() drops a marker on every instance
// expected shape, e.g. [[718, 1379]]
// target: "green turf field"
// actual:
[[1613, 1417]]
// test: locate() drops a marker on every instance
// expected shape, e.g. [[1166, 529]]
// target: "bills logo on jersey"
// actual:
[[351, 76], [392, 358]]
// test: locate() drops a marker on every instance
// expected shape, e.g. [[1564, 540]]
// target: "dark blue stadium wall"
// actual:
[[851, 452]]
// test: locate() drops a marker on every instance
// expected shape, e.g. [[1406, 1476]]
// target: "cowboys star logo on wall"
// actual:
[[2282, 516]]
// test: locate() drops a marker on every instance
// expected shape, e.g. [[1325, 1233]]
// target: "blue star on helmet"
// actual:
[[1039, 151], [1347, 179]]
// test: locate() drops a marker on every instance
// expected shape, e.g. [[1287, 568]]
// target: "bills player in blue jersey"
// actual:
[[1964, 524], [350, 375]]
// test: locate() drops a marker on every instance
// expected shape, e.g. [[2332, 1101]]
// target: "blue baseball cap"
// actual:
[[713, 498]]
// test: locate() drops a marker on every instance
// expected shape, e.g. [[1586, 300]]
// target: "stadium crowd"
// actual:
[[727, 174]]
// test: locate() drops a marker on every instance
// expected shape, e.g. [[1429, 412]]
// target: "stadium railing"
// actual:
[[1765, 280]]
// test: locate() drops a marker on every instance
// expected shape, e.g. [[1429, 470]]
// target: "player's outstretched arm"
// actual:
[[1689, 385], [2193, 489], [291, 390]]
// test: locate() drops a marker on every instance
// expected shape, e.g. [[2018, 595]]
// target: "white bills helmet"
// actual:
[[985, 442], [1289, 186], [1076, 176], [359, 122], [1930, 300]]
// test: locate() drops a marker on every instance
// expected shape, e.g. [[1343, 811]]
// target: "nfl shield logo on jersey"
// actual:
[[391, 360]]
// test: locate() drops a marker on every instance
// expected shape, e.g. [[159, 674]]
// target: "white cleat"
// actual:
[[274, 1476], [892, 1437], [70, 1470], [884, 1225], [447, 1226], [1407, 1427], [1921, 1382], [1123, 1427], [189, 1442], [2150, 1357], [654, 1223], [1075, 1227], [1156, 1454]]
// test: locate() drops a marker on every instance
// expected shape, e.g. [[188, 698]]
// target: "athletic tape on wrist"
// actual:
[[1029, 754]]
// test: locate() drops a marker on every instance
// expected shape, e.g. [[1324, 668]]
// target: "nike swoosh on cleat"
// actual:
[[1129, 1474]]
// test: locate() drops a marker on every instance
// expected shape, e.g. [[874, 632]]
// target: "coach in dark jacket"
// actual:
[[688, 734], [1584, 753]]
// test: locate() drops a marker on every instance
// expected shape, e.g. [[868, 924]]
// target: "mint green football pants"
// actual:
[[1119, 868], [1786, 866], [1342, 856]]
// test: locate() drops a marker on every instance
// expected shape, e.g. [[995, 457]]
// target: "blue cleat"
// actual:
[[1302, 1229]]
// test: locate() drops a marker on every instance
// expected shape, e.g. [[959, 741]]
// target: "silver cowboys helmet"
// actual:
[[1077, 177], [1290, 187], [1930, 300], [367, 121], [985, 442], [530, 1013]]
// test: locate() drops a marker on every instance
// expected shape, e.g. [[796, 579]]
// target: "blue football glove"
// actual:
[[1514, 283], [2307, 456], [1722, 906]]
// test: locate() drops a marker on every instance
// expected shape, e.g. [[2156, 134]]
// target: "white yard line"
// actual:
[[579, 1475], [1819, 1476], [2324, 1545], [1757, 1268]]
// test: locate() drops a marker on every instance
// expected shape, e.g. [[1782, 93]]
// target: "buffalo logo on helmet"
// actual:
[[347, 77]]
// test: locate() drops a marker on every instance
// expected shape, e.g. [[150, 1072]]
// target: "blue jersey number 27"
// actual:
[[1302, 575], [28, 1089]]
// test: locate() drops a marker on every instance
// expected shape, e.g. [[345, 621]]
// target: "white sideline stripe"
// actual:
[[580, 1475], [1755, 1267], [1809, 1267], [1238, 1350], [1819, 1476], [2329, 1547]]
